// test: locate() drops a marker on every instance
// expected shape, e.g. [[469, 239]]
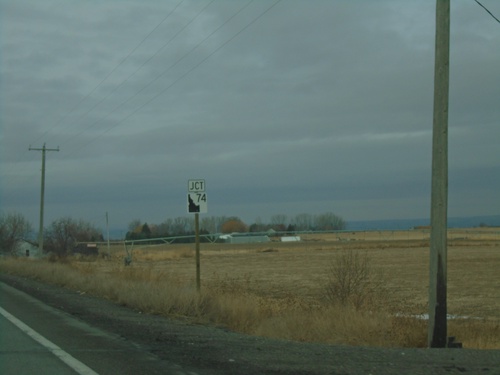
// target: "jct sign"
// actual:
[[196, 185]]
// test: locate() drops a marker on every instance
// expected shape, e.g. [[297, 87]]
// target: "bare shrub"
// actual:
[[352, 281]]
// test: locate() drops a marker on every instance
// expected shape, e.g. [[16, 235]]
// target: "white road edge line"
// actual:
[[72, 362]]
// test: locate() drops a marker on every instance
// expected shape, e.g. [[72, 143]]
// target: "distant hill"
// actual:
[[401, 224]]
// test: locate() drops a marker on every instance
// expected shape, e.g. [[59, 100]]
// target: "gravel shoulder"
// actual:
[[214, 350]]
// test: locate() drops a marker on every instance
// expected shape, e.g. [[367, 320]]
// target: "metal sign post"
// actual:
[[197, 249]]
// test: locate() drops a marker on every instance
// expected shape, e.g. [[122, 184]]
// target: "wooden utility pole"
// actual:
[[40, 231], [437, 329], [197, 247], [107, 230]]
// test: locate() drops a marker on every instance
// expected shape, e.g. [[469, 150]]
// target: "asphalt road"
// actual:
[[38, 339], [20, 354]]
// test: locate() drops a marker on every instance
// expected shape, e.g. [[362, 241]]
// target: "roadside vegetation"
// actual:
[[355, 306], [359, 288]]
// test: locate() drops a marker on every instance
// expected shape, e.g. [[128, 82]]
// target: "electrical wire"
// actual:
[[132, 51], [188, 72], [179, 78], [101, 83], [10, 169], [487, 10], [131, 75], [111, 72]]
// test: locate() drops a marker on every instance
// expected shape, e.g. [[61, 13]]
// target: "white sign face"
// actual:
[[197, 202], [196, 185]]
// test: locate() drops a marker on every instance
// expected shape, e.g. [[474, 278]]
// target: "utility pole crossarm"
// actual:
[[43, 149], [42, 192]]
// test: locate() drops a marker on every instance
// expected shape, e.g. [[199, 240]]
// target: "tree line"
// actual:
[[63, 234], [184, 226], [60, 237]]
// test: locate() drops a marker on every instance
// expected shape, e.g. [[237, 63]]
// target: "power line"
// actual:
[[487, 10], [103, 80], [119, 64], [183, 75], [188, 72], [133, 73], [111, 72]]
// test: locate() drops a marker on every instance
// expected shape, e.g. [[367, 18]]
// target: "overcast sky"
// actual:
[[282, 107]]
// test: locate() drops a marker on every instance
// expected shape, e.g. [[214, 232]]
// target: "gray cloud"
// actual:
[[308, 107]]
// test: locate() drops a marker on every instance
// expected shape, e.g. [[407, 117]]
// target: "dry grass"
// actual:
[[278, 289]]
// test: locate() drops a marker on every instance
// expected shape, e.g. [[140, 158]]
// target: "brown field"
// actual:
[[278, 288], [280, 269]]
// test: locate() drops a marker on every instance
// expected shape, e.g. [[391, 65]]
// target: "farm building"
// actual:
[[236, 238], [26, 248], [290, 239]]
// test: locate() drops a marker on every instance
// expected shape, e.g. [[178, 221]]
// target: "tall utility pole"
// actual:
[[437, 329], [197, 249], [40, 231], [107, 229]]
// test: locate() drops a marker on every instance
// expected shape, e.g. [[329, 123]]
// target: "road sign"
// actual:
[[196, 186], [197, 202]]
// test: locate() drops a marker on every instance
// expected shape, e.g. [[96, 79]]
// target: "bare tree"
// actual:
[[134, 224], [213, 224], [65, 232], [165, 228], [303, 222], [182, 225], [219, 221], [278, 222], [13, 227], [258, 226], [234, 224], [328, 221]]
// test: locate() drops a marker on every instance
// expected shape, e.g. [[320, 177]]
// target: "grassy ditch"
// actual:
[[364, 315]]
